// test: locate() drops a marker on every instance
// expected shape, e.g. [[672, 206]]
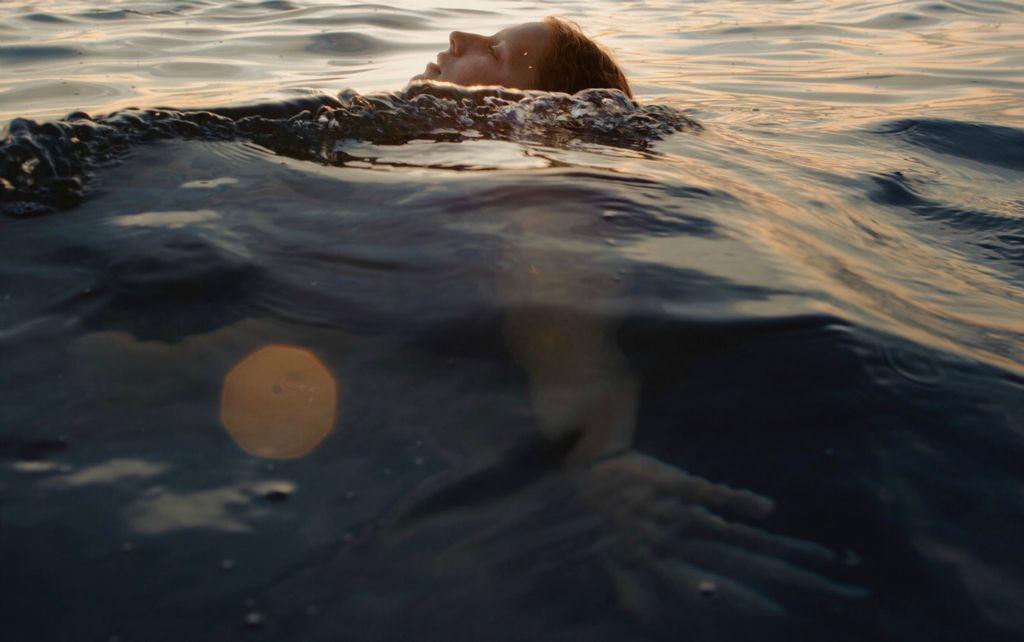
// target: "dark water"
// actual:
[[707, 367]]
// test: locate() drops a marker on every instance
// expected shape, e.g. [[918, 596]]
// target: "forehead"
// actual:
[[532, 37]]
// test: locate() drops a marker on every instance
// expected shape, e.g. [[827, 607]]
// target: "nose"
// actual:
[[460, 41]]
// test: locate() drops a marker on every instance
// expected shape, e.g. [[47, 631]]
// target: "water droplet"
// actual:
[[277, 389], [253, 620], [350, 494], [348, 538], [127, 547], [707, 588], [227, 564], [418, 461], [312, 609]]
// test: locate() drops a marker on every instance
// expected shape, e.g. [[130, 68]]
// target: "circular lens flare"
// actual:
[[279, 402]]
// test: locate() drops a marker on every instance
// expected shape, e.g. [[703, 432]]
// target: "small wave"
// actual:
[[29, 52], [43, 17], [969, 7], [1001, 236], [387, 19], [45, 166], [346, 42], [979, 142], [277, 5], [111, 14]]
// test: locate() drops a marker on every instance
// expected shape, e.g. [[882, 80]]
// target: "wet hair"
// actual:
[[576, 62]]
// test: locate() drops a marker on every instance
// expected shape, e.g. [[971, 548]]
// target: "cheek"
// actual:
[[474, 70]]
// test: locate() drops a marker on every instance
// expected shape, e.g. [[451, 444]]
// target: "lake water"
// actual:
[[345, 360]]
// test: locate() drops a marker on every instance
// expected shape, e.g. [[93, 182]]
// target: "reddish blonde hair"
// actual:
[[576, 62]]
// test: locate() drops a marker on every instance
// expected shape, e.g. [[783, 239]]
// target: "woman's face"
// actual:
[[508, 58]]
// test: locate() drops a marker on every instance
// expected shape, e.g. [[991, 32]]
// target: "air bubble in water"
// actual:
[[707, 588]]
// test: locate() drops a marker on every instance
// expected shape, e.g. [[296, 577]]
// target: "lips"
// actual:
[[432, 72]]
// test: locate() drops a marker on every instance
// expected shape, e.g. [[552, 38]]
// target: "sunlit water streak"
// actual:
[[743, 362]]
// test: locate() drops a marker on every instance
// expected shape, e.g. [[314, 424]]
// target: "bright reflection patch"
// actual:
[[279, 402]]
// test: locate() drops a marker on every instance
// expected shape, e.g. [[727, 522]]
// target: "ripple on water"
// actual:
[[32, 53], [277, 5], [914, 364], [896, 20], [44, 17], [346, 42], [112, 14], [194, 69], [42, 91], [386, 19], [979, 142]]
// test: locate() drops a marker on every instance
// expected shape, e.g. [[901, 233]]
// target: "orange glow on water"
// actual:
[[279, 402]]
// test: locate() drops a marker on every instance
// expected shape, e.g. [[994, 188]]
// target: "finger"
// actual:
[[754, 569], [690, 489], [634, 469], [696, 522]]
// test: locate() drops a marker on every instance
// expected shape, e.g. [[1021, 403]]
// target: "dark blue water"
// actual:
[[600, 371]]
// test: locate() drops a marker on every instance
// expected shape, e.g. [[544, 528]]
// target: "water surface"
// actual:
[[743, 361]]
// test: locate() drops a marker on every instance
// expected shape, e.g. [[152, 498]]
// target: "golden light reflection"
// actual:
[[279, 402]]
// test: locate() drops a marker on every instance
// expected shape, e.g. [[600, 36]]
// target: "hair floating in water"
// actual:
[[45, 166]]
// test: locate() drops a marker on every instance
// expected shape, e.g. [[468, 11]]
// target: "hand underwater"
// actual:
[[673, 552]]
